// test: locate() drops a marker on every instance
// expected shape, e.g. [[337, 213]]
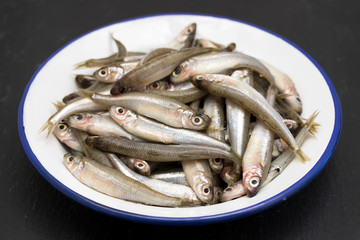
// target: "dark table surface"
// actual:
[[327, 208]]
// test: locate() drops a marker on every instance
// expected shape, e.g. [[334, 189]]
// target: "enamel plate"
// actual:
[[55, 79]]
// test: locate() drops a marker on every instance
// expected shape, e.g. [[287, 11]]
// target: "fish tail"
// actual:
[[49, 126], [58, 105], [79, 65], [85, 93], [311, 124], [302, 155]]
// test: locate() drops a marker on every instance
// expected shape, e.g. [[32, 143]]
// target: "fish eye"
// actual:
[[197, 121], [62, 126], [155, 85], [102, 73], [70, 159], [298, 99], [120, 110], [140, 165], [79, 117], [218, 193], [255, 182], [289, 125], [177, 71], [206, 190], [122, 90], [228, 189], [217, 160], [200, 78]]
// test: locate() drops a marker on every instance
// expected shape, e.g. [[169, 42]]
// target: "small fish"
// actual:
[[153, 70], [100, 124], [219, 62], [250, 99], [257, 156], [159, 152], [163, 109], [115, 184], [154, 131], [169, 189]]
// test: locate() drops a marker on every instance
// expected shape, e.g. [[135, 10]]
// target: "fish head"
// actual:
[[109, 74], [217, 194], [203, 187], [216, 164], [226, 173], [62, 131], [187, 34], [121, 115], [291, 124], [252, 180], [199, 121], [293, 99], [142, 167], [81, 120], [234, 191], [183, 72], [73, 163]]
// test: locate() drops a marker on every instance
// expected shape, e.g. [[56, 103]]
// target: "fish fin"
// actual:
[[311, 124], [83, 64], [302, 155], [85, 93], [58, 105], [49, 126]]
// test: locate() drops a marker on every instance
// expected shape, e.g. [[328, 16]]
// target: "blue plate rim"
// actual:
[[210, 219]]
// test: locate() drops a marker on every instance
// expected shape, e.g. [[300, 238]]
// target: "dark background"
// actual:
[[327, 208]]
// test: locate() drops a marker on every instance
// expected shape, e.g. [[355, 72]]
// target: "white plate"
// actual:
[[54, 79]]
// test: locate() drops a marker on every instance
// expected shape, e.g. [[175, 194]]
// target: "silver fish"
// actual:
[[250, 99], [169, 189], [220, 62], [115, 184], [151, 130]]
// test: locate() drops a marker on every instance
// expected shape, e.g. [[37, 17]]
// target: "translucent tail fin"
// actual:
[[49, 126], [85, 93], [302, 155], [311, 124]]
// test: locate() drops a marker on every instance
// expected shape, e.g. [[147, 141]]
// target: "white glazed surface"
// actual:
[[55, 80]]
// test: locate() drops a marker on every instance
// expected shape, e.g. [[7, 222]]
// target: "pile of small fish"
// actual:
[[188, 124]]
